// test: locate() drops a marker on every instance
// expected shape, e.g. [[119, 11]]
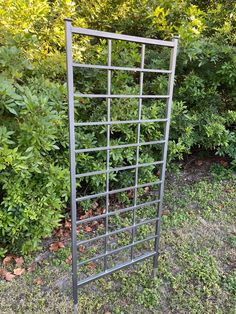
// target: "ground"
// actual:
[[196, 272]]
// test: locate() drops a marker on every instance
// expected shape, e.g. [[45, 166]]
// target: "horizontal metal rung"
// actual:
[[121, 96], [118, 122], [87, 174], [95, 149], [118, 267], [116, 250], [147, 221], [83, 198], [106, 67], [116, 212], [95, 33]]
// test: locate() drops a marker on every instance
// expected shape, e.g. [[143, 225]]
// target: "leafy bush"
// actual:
[[33, 154], [34, 175]]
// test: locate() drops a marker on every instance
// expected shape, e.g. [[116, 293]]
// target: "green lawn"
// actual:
[[196, 265]]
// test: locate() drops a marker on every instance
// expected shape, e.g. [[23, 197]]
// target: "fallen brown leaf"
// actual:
[[7, 260], [224, 163], [69, 260], [165, 212], [199, 162], [68, 224], [8, 276], [59, 233], [54, 247], [19, 261], [92, 265], [61, 244], [2, 272], [146, 189], [82, 248], [88, 229], [90, 213], [95, 205], [130, 194], [99, 210], [94, 223], [19, 271], [38, 281], [32, 268], [83, 217], [66, 234]]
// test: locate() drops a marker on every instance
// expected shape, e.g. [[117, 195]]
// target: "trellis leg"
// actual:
[[164, 150], [70, 83]]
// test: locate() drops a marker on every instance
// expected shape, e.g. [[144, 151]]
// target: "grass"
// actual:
[[196, 265]]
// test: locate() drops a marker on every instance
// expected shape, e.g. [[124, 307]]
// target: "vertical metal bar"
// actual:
[[68, 26], [108, 150], [137, 150], [164, 150]]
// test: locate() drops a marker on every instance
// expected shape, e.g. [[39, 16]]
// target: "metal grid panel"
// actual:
[[70, 30]]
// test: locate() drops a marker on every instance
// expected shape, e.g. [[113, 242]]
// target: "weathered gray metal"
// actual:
[[70, 30]]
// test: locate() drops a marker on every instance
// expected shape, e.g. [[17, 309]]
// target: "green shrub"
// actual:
[[34, 175], [33, 160]]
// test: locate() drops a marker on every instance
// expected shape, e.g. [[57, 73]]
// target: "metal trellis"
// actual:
[[70, 30]]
